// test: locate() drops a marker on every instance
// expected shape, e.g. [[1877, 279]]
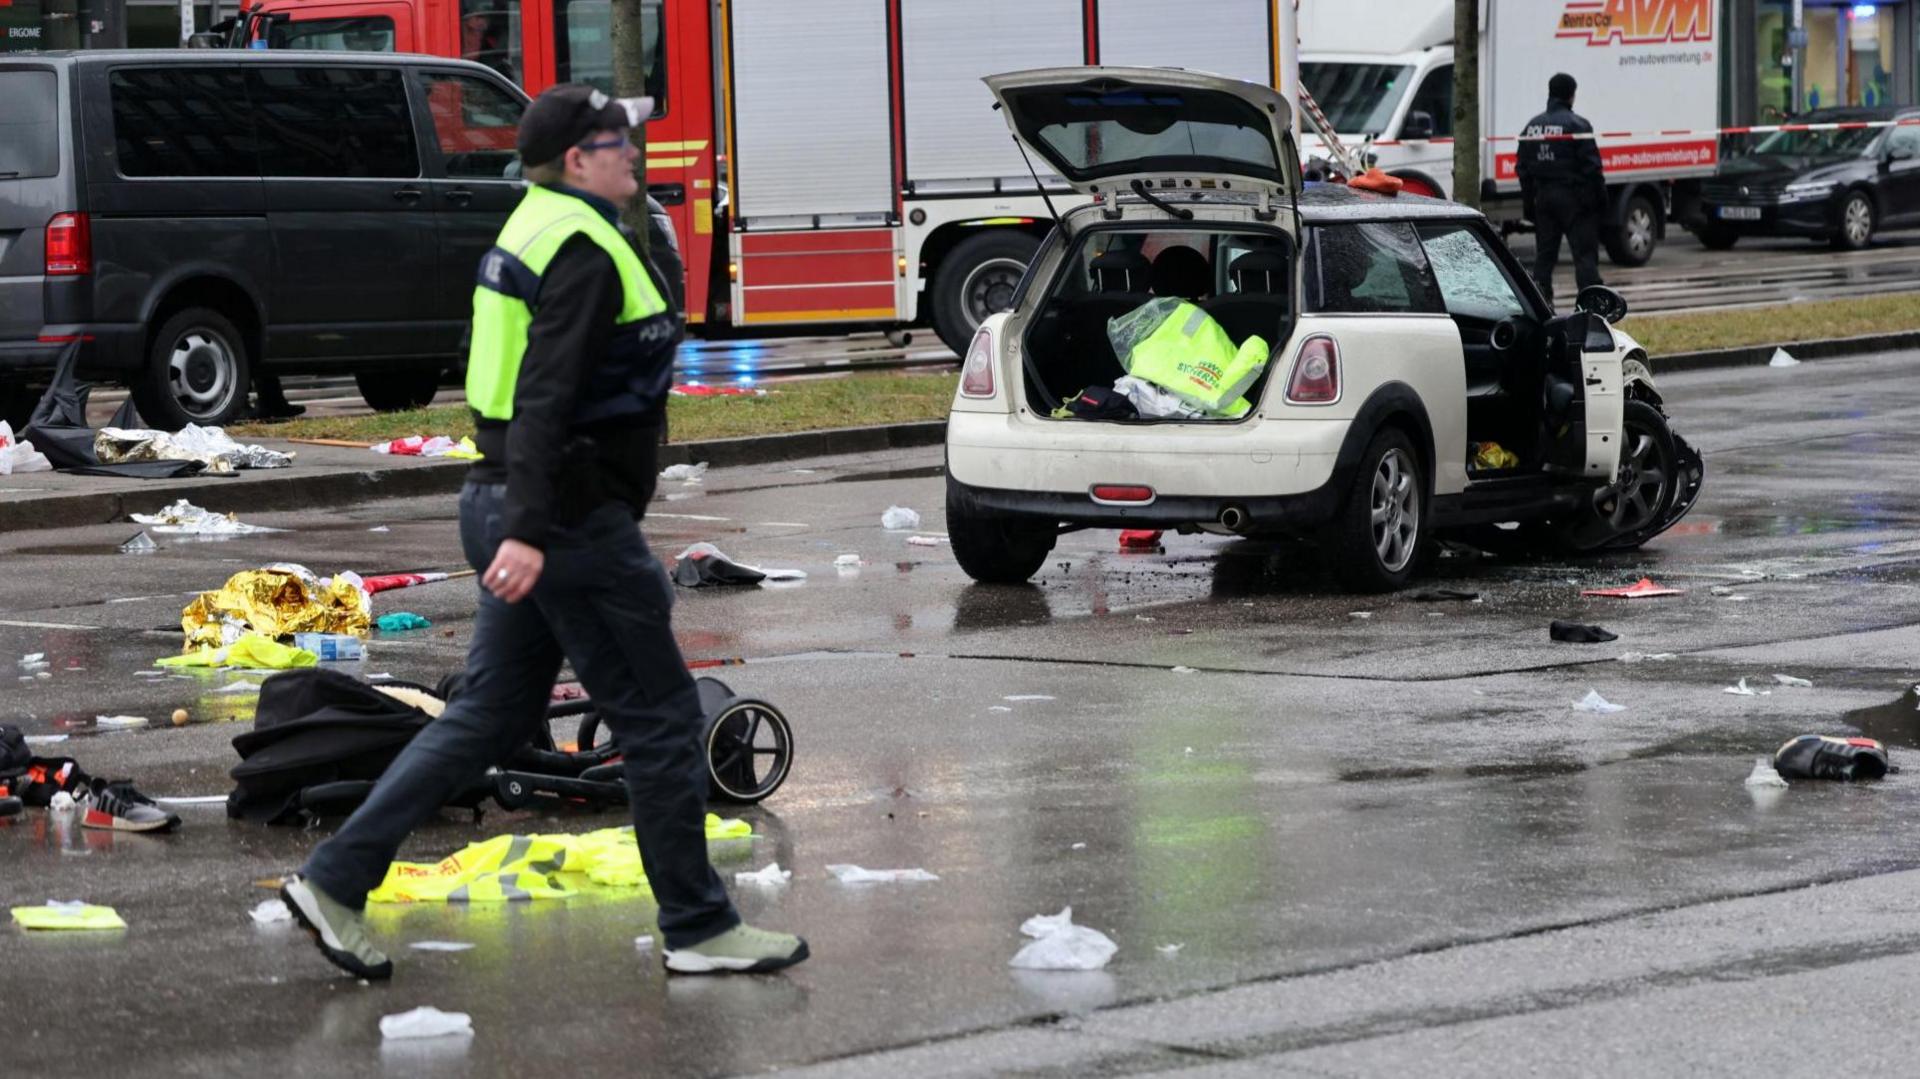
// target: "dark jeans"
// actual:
[[1559, 211], [602, 602]]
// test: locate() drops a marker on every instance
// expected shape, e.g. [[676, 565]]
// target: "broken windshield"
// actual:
[[1358, 99]]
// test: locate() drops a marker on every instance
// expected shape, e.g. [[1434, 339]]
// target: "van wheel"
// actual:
[[997, 550], [1631, 242], [396, 391], [1376, 540], [196, 372], [977, 279]]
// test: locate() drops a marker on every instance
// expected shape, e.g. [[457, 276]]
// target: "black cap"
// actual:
[[1562, 86], [565, 115]]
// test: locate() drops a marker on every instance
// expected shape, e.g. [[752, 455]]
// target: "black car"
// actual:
[[1837, 184], [191, 215]]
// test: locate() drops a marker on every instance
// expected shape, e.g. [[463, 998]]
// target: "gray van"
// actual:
[[189, 215]]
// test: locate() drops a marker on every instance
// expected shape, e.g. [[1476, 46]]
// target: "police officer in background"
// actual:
[[568, 371], [1564, 188]]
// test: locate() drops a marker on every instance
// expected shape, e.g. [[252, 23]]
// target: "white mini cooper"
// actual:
[[1418, 382]]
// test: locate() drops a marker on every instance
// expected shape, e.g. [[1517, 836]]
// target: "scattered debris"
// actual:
[[643, 943], [1169, 950], [437, 446], [1445, 595], [120, 723], [771, 877], [1646, 657], [1790, 680], [278, 601], [924, 541], [139, 543], [387, 582], [1059, 944], [898, 518], [848, 560], [1028, 697], [1078, 846], [331, 647], [1362, 615], [701, 389], [400, 622], [183, 518], [210, 446], [1764, 775], [999, 708], [67, 914], [1576, 633], [271, 912], [704, 564], [46, 740], [853, 874], [239, 685], [18, 456], [1644, 588], [379, 528], [180, 717], [1740, 690], [426, 1022], [1821, 756], [1595, 703], [448, 945], [685, 473], [1783, 358]]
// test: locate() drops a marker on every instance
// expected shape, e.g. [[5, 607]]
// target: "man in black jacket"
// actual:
[[1564, 188], [568, 371]]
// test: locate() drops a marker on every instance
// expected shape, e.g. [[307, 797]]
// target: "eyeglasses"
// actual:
[[620, 143]]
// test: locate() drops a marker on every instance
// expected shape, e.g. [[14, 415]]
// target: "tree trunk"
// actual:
[[630, 80], [1466, 102]]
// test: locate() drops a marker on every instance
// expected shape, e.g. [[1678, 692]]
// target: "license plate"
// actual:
[[1739, 213]]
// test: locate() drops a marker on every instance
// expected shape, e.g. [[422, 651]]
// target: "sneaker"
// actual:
[[117, 806], [338, 930], [740, 950]]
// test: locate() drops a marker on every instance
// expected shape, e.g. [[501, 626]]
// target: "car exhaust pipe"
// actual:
[[1233, 518]]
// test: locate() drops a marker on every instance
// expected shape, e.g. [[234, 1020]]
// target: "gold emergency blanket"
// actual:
[[517, 868], [274, 603]]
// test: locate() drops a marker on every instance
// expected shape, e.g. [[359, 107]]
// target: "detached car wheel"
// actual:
[[1640, 495], [997, 550], [1856, 223], [1375, 542], [196, 372], [396, 391]]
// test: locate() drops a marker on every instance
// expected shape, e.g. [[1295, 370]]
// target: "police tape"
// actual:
[[1702, 133]]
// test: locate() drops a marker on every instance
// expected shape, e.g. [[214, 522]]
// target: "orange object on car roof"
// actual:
[[1376, 181]]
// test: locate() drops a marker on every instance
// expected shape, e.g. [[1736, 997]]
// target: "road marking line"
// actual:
[[686, 517], [43, 625]]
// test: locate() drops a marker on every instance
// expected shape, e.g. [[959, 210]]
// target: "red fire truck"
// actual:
[[826, 163]]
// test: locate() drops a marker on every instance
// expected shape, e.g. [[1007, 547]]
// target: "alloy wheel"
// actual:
[[1857, 220], [1395, 510], [1641, 491], [1640, 229], [203, 372]]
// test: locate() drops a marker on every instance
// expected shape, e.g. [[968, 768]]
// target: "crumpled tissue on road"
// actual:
[[1594, 702], [519, 868], [271, 912], [210, 446], [278, 601], [1764, 775], [853, 874], [1790, 680], [426, 1021], [900, 518], [685, 473], [251, 652], [1061, 945], [19, 456], [771, 876], [183, 518], [67, 914]]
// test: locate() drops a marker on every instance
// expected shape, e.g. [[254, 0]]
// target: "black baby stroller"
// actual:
[[321, 738]]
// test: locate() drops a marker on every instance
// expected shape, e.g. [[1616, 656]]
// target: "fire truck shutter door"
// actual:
[[1234, 38], [955, 141], [811, 112]]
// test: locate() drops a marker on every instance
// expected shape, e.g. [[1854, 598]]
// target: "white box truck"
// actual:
[[1649, 75]]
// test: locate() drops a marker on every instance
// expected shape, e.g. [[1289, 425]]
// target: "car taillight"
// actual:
[[1316, 373], [1121, 492], [69, 245], [976, 377]]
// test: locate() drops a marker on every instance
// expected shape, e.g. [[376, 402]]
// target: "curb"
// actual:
[[296, 490], [1758, 355], [292, 489]]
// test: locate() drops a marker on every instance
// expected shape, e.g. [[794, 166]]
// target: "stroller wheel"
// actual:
[[749, 751], [511, 792]]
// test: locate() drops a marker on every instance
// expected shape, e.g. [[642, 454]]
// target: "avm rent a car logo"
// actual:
[[1637, 22]]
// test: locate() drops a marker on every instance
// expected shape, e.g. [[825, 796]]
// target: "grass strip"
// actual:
[[803, 405], [1698, 331]]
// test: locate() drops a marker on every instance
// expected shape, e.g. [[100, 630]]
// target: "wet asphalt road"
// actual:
[[1385, 845]]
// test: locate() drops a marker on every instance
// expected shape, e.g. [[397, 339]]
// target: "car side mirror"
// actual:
[[1419, 125], [206, 39], [1603, 301]]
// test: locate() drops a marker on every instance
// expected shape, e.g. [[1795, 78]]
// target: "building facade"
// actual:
[[1846, 54]]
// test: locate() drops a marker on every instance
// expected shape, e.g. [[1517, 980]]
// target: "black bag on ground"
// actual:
[[315, 726], [59, 429]]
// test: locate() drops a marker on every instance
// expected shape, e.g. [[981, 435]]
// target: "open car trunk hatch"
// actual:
[[1103, 128]]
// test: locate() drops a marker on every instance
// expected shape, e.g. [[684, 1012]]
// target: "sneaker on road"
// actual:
[[118, 807], [337, 929], [740, 950]]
